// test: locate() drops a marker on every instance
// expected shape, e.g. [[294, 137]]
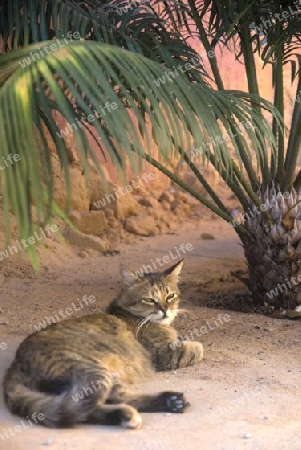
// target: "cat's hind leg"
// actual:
[[169, 401], [116, 414], [121, 408], [112, 409]]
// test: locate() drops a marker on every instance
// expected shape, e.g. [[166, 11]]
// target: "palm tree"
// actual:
[[270, 193], [132, 62]]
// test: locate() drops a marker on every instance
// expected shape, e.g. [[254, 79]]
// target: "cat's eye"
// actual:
[[150, 301], [170, 297]]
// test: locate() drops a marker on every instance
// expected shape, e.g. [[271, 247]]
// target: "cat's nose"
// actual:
[[163, 311], [161, 314]]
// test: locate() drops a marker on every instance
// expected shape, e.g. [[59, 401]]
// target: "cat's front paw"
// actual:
[[175, 402], [192, 354]]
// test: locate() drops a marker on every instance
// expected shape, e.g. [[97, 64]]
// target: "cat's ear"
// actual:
[[172, 274], [128, 276]]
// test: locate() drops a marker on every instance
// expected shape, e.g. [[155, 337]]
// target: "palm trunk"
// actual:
[[273, 252]]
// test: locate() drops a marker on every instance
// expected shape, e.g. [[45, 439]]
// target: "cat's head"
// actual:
[[152, 295]]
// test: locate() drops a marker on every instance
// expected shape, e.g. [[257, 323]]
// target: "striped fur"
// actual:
[[76, 371]]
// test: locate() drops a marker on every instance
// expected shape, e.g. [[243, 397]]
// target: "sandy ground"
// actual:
[[245, 394]]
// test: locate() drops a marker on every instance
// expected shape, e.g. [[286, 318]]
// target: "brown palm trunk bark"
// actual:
[[273, 251]]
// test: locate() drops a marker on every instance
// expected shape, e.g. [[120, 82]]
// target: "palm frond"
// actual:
[[137, 27], [84, 77]]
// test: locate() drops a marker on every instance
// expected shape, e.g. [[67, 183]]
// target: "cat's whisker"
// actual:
[[137, 326], [146, 326], [148, 322], [142, 322], [137, 323]]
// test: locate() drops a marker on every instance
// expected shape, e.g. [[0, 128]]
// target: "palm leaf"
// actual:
[[79, 79], [140, 29]]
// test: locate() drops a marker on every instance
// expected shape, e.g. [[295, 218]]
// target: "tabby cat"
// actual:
[[75, 371]]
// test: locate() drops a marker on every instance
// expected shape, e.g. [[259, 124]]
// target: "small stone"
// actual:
[[149, 201], [166, 197], [248, 436], [266, 418], [47, 441], [167, 414], [125, 206], [83, 254], [207, 236], [86, 241], [142, 225], [89, 222]]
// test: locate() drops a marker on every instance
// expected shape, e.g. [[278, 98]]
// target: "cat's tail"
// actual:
[[51, 410]]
